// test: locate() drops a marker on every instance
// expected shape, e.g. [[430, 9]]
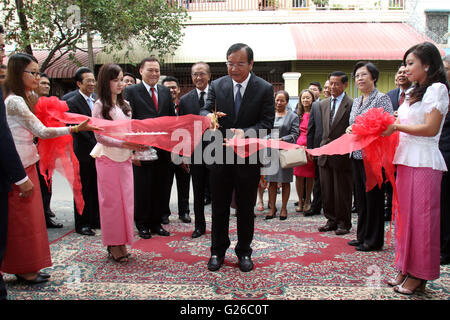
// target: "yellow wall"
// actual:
[[319, 71]]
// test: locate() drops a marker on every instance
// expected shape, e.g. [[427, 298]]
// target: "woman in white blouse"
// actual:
[[114, 168], [27, 249], [419, 169]]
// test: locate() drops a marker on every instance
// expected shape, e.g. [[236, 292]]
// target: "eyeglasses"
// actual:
[[237, 65], [361, 75], [33, 73]]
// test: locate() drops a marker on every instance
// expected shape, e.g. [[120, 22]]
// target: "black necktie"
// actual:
[[238, 99], [333, 108], [402, 98], [201, 101]]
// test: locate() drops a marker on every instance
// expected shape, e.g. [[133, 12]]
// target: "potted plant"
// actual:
[[320, 4]]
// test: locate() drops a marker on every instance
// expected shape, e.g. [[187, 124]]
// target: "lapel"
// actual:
[[341, 111], [146, 97], [326, 115], [228, 105], [84, 105], [251, 87]]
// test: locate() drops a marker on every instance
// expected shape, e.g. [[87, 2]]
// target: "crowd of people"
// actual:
[[127, 185]]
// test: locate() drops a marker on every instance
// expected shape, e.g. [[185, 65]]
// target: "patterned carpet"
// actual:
[[292, 262]]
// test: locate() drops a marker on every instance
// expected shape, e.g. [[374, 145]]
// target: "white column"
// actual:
[[291, 83]]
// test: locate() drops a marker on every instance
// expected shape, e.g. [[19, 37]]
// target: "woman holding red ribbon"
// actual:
[[27, 249], [114, 167], [369, 203], [419, 169]]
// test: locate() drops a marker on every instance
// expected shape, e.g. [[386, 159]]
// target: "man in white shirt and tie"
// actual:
[[82, 103]]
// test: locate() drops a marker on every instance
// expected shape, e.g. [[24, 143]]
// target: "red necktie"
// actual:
[[402, 98], [155, 101]]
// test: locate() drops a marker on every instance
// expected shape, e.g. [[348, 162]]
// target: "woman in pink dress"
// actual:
[[304, 175], [420, 165], [114, 168]]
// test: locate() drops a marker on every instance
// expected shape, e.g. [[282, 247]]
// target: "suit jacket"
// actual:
[[337, 129], [83, 142], [256, 110], [444, 140], [189, 103], [142, 105], [393, 95], [290, 129], [11, 168], [314, 134]]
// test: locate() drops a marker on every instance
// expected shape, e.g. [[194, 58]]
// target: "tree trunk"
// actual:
[[24, 26], [90, 49]]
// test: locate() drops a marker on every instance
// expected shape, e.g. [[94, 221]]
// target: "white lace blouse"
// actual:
[[419, 151], [25, 126]]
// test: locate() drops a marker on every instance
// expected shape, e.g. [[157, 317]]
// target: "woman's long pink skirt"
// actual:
[[417, 231], [116, 201]]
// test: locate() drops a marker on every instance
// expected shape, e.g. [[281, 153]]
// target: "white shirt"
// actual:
[[243, 84], [148, 87], [338, 103], [419, 151], [200, 91]]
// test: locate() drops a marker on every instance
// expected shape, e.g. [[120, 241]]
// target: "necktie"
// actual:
[[155, 101], [90, 103], [237, 100], [333, 108], [201, 100], [402, 98]]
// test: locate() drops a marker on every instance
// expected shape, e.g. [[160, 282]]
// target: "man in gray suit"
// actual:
[[336, 171], [244, 105]]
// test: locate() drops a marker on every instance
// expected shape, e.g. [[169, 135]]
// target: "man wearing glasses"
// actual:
[[244, 104]]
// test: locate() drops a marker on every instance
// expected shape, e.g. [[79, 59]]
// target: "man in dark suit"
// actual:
[[336, 171], [314, 137], [150, 100], [179, 171], [397, 95], [83, 143], [244, 105], [191, 103], [11, 172]]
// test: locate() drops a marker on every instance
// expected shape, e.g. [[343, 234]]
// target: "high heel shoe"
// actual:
[[283, 216], [398, 280], [271, 216], [419, 288], [300, 207], [306, 207], [118, 259]]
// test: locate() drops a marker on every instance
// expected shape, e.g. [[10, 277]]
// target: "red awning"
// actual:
[[354, 41], [64, 67]]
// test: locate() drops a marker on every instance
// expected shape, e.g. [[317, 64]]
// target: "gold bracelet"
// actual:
[[75, 129]]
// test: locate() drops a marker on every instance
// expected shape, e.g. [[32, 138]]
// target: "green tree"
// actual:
[[62, 26]]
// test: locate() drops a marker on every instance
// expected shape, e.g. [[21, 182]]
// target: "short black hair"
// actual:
[[79, 74], [1, 29], [238, 46], [171, 78], [44, 75], [317, 84], [343, 75], [129, 75], [148, 59], [373, 70]]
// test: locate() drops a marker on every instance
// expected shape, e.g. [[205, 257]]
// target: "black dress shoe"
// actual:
[[52, 224], [327, 227], [86, 231], [185, 218], [341, 231], [44, 275], [365, 247], [215, 262], [145, 234], [160, 231], [444, 260], [207, 201], [37, 280], [311, 213], [354, 243], [245, 264], [50, 213], [165, 220], [197, 233]]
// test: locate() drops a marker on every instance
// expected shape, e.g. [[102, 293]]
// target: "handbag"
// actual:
[[293, 158]]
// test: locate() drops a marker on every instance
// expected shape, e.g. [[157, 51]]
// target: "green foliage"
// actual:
[[61, 25]]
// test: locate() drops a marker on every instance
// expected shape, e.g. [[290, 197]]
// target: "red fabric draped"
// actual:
[[175, 134], [60, 148]]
